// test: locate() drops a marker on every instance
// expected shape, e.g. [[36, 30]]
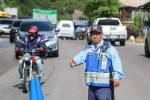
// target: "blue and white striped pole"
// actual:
[[35, 89]]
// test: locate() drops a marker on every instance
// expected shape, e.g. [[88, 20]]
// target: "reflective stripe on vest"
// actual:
[[97, 77]]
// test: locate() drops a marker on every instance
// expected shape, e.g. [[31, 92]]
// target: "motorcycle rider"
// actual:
[[32, 41]]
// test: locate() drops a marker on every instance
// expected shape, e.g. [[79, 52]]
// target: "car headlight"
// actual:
[[53, 36]]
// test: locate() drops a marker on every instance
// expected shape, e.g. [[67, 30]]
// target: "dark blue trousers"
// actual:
[[99, 93]]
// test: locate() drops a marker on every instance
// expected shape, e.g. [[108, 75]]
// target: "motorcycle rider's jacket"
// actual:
[[98, 67], [32, 44]]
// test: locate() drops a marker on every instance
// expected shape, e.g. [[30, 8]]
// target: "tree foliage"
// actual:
[[65, 8], [101, 8], [137, 21]]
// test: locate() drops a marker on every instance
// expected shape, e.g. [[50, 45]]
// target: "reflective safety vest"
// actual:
[[98, 68]]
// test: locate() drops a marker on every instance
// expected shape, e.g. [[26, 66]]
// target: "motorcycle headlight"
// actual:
[[26, 56]]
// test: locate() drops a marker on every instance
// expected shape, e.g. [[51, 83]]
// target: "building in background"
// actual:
[[4, 15], [130, 8], [12, 11]]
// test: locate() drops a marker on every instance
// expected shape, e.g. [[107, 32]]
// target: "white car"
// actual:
[[5, 26], [65, 29], [113, 29], [147, 44]]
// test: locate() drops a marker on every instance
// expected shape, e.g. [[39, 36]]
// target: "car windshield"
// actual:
[[5, 21], [42, 26], [66, 25], [108, 22], [16, 23]]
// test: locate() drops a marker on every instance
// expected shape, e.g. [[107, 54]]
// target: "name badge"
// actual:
[[90, 51]]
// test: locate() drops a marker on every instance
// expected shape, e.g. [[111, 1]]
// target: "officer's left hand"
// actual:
[[116, 82]]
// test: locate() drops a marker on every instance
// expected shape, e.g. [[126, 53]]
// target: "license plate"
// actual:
[[114, 37]]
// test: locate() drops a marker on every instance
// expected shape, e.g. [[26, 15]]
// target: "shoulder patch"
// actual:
[[89, 51]]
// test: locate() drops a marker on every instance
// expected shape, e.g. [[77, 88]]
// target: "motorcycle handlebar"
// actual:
[[31, 51]]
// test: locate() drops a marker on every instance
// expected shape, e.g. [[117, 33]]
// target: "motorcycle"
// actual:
[[80, 33], [29, 68]]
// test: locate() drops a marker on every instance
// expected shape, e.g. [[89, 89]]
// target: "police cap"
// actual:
[[96, 29]]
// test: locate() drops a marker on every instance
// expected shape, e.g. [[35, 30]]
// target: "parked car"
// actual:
[[5, 26], [45, 29], [14, 30], [147, 44], [65, 29]]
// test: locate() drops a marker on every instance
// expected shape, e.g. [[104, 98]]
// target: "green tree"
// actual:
[[64, 7], [137, 21], [101, 8]]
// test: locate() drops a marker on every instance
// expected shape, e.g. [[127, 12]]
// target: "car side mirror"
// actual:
[[57, 30]]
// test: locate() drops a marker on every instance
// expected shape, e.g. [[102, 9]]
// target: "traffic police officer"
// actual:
[[103, 66]]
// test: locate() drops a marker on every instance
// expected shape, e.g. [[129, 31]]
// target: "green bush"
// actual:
[[63, 17], [137, 21]]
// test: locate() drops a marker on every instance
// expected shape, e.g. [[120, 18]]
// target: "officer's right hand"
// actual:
[[72, 63]]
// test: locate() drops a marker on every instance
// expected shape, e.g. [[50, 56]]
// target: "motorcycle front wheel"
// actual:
[[25, 87]]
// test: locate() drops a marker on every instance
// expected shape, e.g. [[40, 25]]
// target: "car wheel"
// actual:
[[67, 38], [53, 54], [75, 38], [147, 53], [48, 55], [122, 42], [11, 38], [62, 38], [56, 53], [113, 42]]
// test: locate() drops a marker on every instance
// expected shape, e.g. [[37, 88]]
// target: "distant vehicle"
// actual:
[[132, 31], [80, 28], [14, 30], [113, 29], [65, 29], [5, 26], [46, 29], [147, 44], [80, 32]]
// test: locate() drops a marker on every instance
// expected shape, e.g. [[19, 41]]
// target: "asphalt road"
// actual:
[[65, 83]]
